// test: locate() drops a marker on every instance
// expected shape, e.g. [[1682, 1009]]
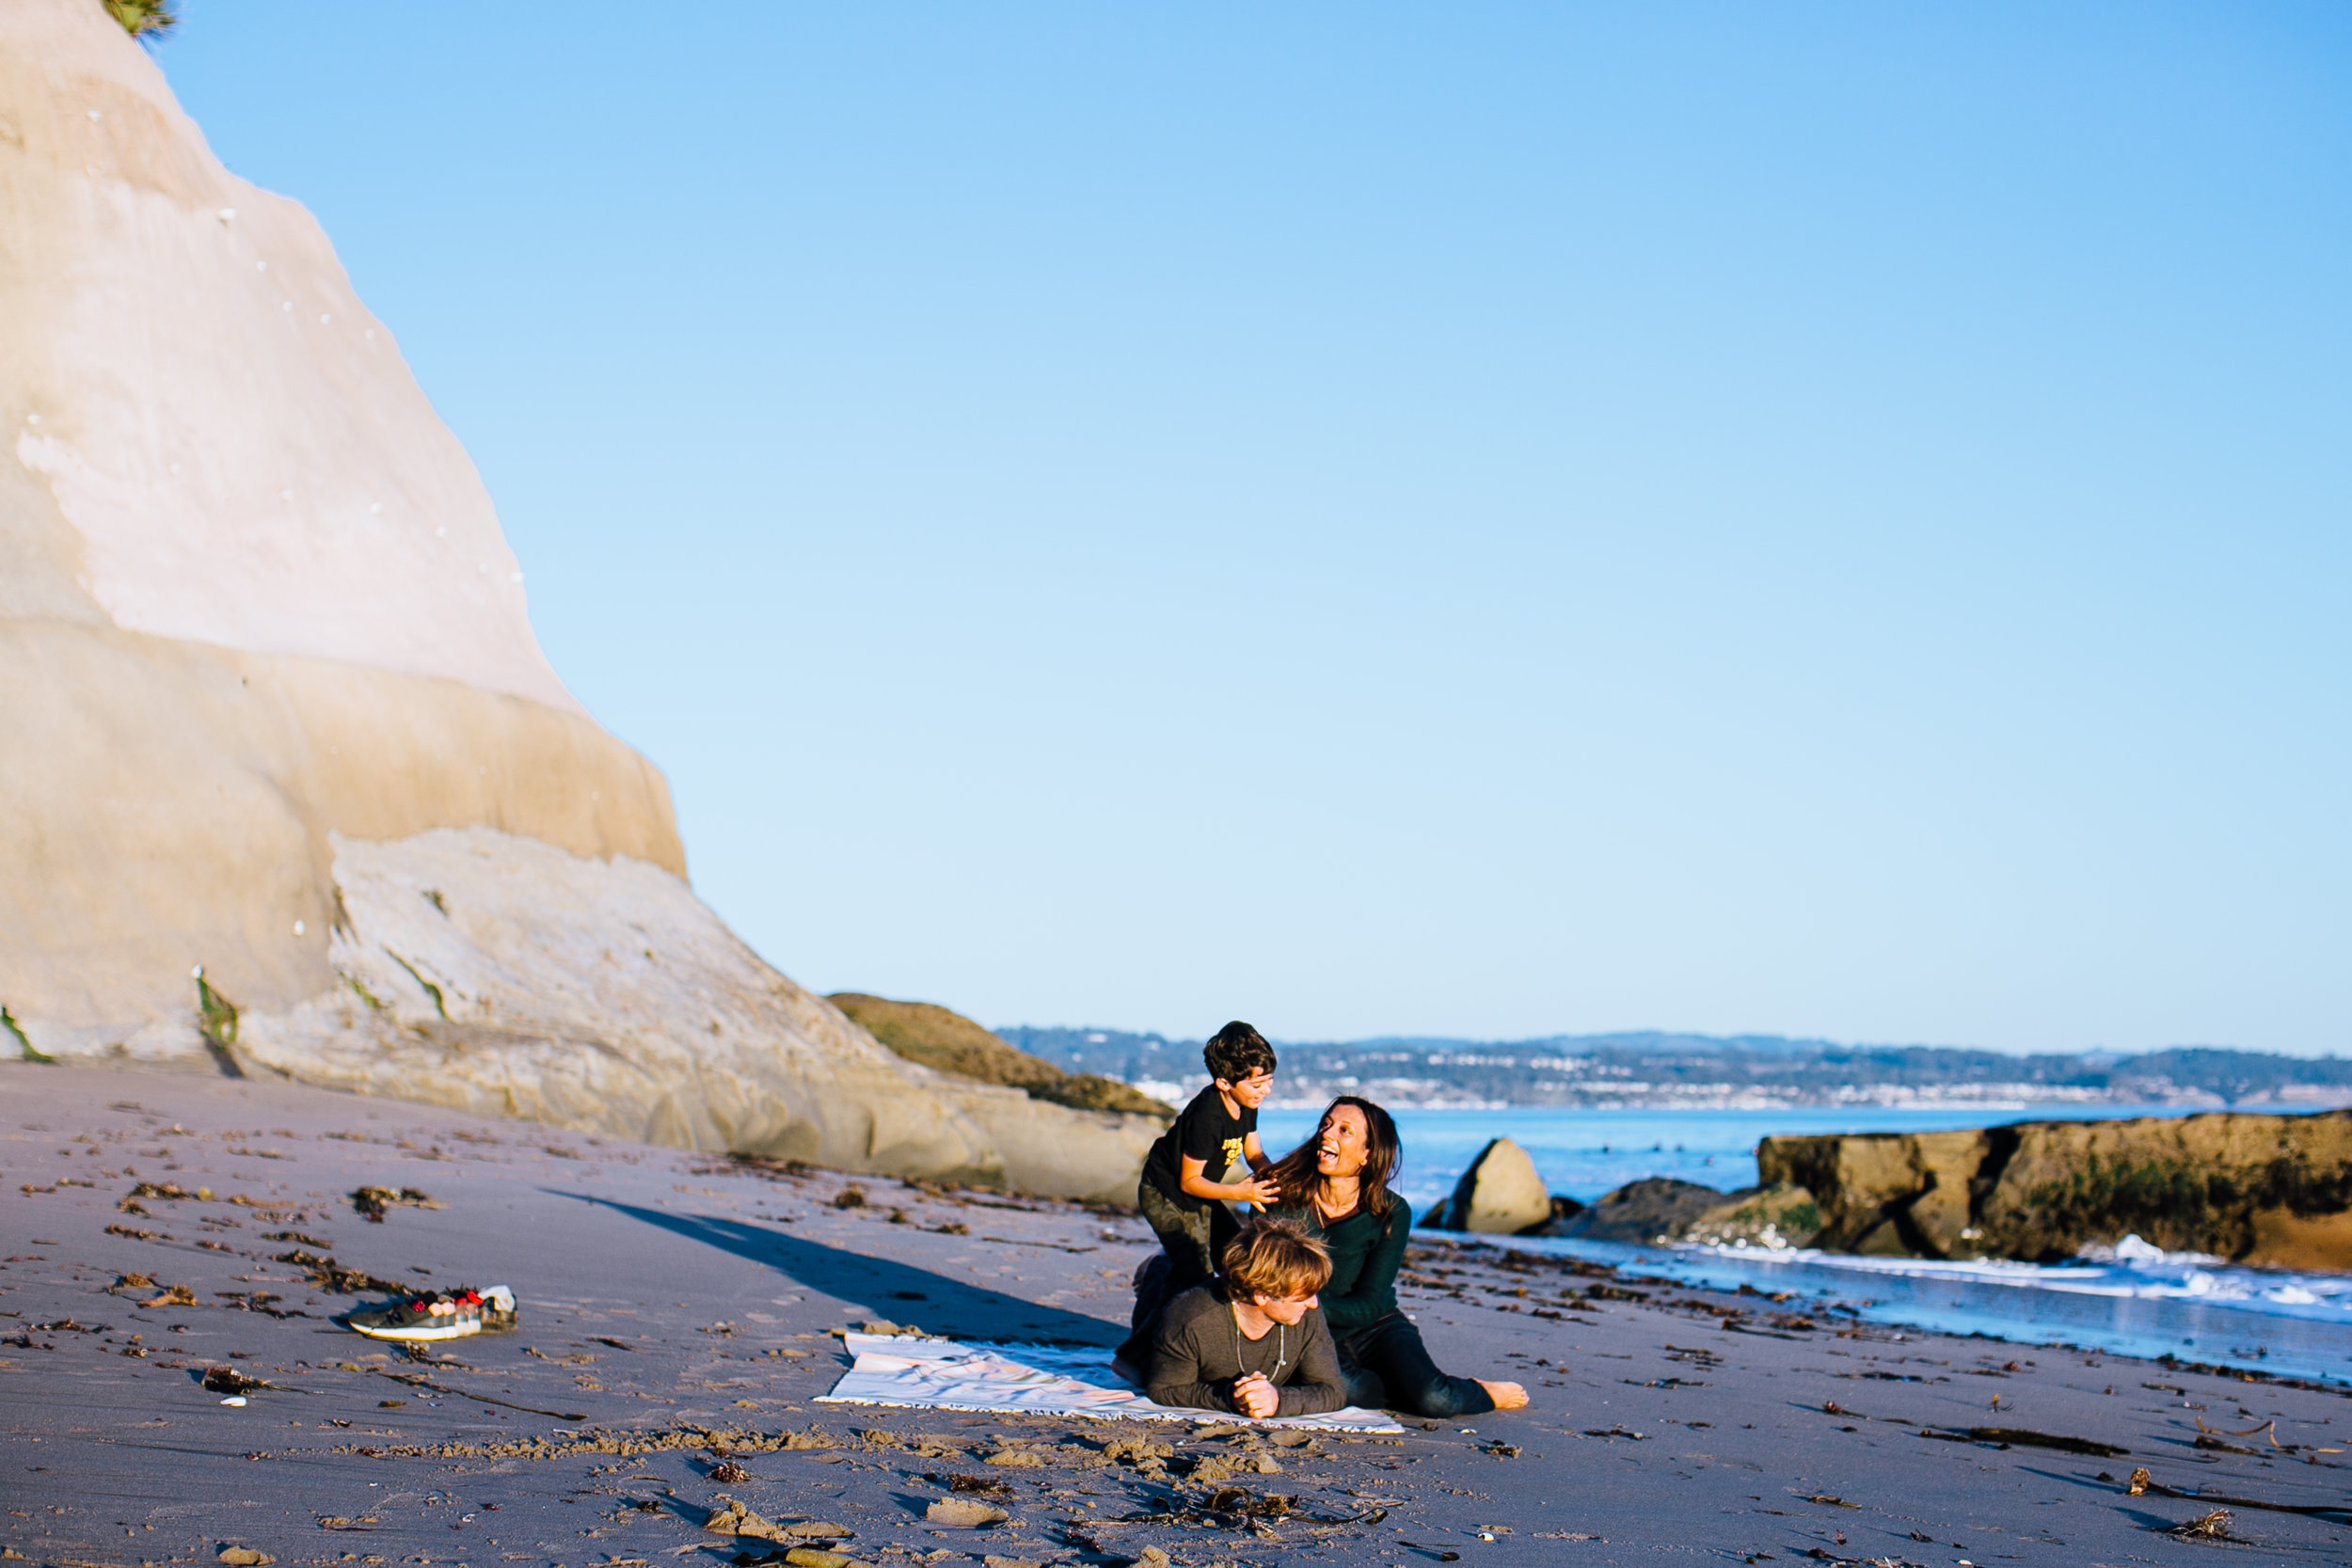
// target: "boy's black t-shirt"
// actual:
[[1204, 1132]]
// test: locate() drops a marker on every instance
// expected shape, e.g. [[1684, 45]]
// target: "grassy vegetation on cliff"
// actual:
[[948, 1042], [12, 1030]]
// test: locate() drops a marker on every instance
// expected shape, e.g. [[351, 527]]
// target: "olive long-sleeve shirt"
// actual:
[[1201, 1354]]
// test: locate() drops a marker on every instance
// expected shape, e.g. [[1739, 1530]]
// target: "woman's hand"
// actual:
[[1258, 1399], [1507, 1396]]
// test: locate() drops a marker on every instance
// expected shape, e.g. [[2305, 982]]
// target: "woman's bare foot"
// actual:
[[1507, 1396]]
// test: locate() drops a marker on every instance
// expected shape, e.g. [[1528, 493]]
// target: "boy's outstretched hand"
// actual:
[[1259, 1190], [1255, 1397]]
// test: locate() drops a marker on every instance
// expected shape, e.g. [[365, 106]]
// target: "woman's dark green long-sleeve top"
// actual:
[[1366, 1252]]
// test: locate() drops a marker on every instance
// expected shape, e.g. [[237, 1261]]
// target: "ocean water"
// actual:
[[2140, 1303], [1585, 1153]]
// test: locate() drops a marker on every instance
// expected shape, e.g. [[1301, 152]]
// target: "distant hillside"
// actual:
[[1668, 1070]]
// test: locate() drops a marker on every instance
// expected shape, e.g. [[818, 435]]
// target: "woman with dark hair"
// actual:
[[1337, 1184]]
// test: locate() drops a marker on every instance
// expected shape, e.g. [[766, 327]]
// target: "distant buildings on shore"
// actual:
[[1702, 1073]]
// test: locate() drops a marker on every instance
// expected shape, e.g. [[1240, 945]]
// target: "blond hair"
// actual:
[[1276, 1261]]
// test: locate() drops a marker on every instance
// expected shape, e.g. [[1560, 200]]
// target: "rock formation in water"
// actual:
[[2256, 1189], [1652, 1210], [276, 712]]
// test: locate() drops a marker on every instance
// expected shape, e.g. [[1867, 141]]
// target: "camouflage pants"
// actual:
[[1190, 1242]]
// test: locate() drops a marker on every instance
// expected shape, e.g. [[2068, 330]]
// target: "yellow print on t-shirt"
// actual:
[[1232, 1152]]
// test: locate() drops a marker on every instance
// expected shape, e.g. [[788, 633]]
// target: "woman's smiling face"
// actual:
[[1339, 1150]]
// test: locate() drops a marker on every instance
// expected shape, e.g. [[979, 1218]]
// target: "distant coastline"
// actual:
[[1654, 1071], [1416, 1094]]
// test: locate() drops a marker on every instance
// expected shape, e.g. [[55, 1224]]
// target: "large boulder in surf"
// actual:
[[1499, 1195], [270, 681], [2259, 1189]]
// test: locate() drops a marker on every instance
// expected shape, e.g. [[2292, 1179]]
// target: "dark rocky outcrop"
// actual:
[[1640, 1212], [946, 1042], [1774, 1216], [2258, 1189], [1662, 1209]]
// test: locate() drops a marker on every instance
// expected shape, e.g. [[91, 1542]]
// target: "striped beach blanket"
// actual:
[[1041, 1380]]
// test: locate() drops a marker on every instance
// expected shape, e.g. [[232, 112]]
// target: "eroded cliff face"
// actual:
[[266, 668], [251, 590], [2257, 1189]]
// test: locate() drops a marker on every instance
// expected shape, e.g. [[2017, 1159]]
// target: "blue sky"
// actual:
[[1496, 521]]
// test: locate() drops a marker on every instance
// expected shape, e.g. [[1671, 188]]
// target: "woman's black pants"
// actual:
[[1388, 1367]]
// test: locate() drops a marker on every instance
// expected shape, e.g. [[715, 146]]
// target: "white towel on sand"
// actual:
[[1042, 1380]]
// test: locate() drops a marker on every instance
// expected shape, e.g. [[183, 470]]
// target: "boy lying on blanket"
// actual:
[[1252, 1341]]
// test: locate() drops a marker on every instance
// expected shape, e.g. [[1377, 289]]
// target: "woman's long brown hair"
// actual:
[[1384, 1152]]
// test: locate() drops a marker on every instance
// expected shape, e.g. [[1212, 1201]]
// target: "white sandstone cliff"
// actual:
[[266, 669]]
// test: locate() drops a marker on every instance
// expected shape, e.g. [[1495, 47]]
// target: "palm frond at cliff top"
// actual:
[[144, 19]]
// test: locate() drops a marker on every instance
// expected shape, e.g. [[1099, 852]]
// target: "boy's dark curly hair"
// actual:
[[1237, 1052]]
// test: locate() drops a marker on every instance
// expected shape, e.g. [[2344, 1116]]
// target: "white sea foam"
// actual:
[[2142, 1301], [2131, 1269]]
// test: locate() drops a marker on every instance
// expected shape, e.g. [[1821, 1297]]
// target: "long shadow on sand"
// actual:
[[937, 1303]]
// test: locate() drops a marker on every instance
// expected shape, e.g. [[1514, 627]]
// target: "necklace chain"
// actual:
[[1281, 1346]]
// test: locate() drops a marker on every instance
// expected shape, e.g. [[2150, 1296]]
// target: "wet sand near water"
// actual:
[[677, 1324]]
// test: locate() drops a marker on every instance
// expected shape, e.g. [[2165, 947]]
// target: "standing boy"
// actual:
[[1184, 1192]]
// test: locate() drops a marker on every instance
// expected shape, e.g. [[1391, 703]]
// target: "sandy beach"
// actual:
[[680, 1313]]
